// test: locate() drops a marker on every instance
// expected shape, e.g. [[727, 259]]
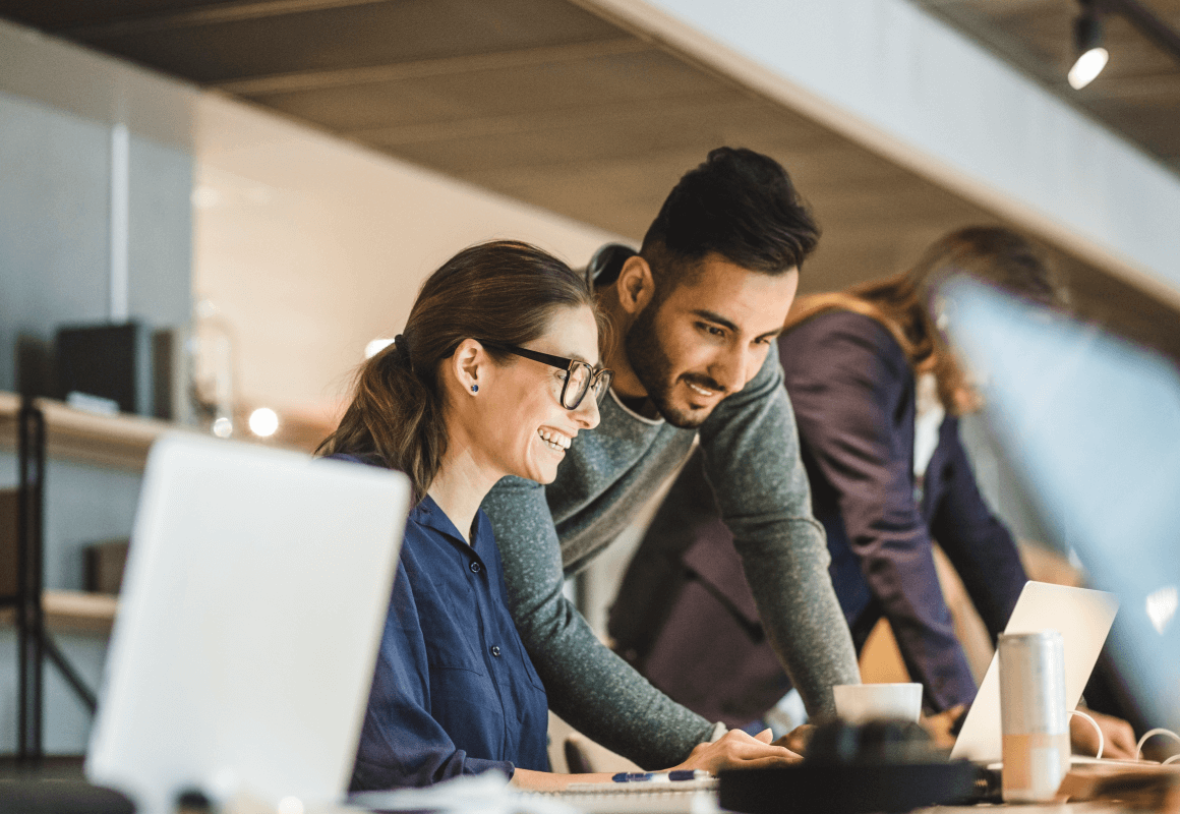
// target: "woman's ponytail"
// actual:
[[395, 415]]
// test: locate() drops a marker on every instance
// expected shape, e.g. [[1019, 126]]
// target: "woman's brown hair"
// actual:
[[903, 303], [503, 292]]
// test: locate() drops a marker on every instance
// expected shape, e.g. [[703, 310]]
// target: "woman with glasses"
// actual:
[[495, 375]]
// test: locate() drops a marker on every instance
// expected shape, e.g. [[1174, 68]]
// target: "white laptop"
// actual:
[[1082, 616], [255, 595]]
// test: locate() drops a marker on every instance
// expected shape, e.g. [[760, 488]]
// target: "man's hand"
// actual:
[[797, 739], [944, 726], [1119, 737], [737, 750]]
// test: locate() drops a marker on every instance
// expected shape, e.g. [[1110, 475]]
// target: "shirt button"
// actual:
[[475, 568], [496, 650]]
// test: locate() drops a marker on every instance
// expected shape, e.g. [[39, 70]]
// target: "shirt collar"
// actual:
[[653, 422], [430, 515]]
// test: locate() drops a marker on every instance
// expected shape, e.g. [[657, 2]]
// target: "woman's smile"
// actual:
[[555, 439]]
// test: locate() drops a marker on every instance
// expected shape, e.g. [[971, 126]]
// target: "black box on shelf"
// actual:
[[105, 562], [112, 361]]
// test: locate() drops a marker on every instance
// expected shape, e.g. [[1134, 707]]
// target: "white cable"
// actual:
[[1150, 733], [1097, 728], [1172, 759]]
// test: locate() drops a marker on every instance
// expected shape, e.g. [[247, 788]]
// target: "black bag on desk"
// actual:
[[887, 766]]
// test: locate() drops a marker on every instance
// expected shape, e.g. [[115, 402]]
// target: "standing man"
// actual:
[[693, 319]]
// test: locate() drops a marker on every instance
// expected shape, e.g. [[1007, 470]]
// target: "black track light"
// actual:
[[1091, 56]]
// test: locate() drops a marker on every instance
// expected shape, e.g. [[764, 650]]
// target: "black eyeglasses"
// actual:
[[580, 377]]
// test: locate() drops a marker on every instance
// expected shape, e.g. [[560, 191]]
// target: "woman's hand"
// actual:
[[737, 750], [1118, 734]]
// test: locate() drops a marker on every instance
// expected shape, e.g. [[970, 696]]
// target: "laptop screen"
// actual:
[[257, 585]]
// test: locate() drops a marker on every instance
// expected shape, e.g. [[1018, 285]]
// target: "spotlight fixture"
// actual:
[[1092, 56]]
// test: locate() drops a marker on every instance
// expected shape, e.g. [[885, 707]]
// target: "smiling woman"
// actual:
[[434, 394], [496, 373]]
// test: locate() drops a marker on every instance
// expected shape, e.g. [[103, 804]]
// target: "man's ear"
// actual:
[[635, 285]]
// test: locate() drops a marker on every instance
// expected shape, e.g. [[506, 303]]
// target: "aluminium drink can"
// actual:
[[1034, 720]]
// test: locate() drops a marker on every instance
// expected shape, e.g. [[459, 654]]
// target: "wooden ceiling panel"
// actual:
[[1131, 55], [834, 166], [620, 195], [644, 180], [64, 15], [1144, 121], [572, 138], [839, 263], [531, 90], [337, 36], [905, 202]]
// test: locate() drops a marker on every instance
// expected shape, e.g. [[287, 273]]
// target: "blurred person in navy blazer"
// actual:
[[877, 395]]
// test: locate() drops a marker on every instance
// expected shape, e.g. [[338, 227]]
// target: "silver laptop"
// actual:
[[256, 591], [1091, 424], [1082, 616]]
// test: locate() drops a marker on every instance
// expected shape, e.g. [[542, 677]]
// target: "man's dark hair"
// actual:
[[738, 204]]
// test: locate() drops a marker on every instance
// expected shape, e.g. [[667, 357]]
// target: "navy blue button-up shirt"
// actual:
[[454, 691]]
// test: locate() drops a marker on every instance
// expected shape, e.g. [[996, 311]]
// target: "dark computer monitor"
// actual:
[[111, 361]]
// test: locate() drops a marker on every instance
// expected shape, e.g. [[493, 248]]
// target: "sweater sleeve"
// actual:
[[751, 451], [590, 687], [848, 379]]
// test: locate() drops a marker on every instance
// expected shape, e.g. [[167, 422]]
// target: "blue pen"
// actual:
[[660, 777]]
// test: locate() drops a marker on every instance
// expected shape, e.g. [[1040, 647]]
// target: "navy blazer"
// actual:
[[854, 397]]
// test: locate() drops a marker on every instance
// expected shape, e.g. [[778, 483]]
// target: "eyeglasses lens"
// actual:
[[577, 382], [602, 384]]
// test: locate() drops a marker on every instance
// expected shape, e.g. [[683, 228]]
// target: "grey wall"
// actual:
[[84, 504], [55, 177], [55, 172]]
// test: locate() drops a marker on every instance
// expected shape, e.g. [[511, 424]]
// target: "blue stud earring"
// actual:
[[475, 388]]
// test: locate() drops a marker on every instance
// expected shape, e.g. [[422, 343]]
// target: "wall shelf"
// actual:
[[72, 612], [123, 440], [120, 441]]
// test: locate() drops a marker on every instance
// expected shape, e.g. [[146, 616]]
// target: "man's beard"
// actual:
[[653, 368]]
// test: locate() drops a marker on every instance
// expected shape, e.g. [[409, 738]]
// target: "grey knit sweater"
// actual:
[[546, 533]]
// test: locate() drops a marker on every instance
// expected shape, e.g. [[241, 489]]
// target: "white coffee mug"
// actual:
[[858, 703]]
